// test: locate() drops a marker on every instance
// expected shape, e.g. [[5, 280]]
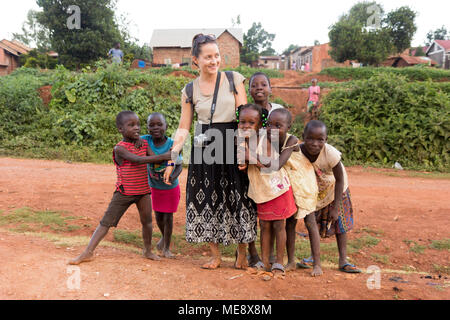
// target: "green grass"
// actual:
[[441, 269], [414, 246], [440, 244], [381, 258], [371, 231], [364, 242], [32, 220]]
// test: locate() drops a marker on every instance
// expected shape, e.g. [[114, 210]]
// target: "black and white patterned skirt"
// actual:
[[217, 207]]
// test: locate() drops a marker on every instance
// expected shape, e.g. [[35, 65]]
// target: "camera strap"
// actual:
[[216, 92]]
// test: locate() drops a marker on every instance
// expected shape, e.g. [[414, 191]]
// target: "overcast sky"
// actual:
[[293, 21]]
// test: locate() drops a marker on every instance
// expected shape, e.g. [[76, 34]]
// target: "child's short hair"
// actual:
[[285, 112], [156, 114], [121, 116], [262, 112], [259, 74], [314, 124]]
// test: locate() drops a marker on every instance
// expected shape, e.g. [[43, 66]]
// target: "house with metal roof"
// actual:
[[9, 55], [173, 46], [439, 51]]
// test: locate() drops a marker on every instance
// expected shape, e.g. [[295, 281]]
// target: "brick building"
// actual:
[[173, 46], [269, 62], [9, 55], [317, 57]]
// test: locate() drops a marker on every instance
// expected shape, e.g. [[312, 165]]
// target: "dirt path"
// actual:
[[403, 213]]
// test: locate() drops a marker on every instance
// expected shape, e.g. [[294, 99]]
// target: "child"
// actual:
[[165, 194], [334, 205], [260, 89], [270, 189], [131, 186], [314, 97]]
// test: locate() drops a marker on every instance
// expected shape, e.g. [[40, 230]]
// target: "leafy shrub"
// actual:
[[412, 73], [247, 72], [387, 119]]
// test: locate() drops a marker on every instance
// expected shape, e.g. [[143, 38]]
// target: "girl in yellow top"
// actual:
[[334, 208]]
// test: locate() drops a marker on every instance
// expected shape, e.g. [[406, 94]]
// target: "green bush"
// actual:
[[387, 119], [79, 123], [418, 73]]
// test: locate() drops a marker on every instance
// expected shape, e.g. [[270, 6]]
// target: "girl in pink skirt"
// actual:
[[165, 192]]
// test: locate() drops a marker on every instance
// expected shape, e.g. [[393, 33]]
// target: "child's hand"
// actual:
[[334, 215], [242, 167], [167, 172]]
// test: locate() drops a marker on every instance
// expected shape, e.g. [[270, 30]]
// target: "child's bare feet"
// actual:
[[167, 254], [317, 271], [84, 257], [291, 266], [150, 255], [213, 264], [160, 244]]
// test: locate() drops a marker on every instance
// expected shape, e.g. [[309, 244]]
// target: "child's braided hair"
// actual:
[[263, 113]]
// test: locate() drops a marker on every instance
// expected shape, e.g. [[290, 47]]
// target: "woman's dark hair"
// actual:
[[263, 113], [199, 40], [258, 74]]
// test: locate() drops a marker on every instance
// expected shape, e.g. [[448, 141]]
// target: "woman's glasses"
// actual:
[[205, 38]]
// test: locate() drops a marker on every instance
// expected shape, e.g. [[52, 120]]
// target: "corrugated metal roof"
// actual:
[[16, 48], [444, 44], [183, 37]]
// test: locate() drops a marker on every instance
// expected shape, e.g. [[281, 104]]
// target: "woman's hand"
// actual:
[[167, 172]]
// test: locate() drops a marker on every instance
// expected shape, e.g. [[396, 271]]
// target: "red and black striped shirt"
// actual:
[[132, 178]]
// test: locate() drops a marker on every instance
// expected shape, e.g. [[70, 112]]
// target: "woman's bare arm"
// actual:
[[184, 126]]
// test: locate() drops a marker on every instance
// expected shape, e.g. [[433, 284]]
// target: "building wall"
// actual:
[[229, 50], [321, 58], [175, 55], [8, 63]]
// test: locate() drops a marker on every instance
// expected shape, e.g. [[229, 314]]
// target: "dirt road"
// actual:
[[404, 214]]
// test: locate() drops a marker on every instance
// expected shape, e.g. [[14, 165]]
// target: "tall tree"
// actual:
[[33, 33], [438, 34], [402, 27], [98, 33], [256, 40], [290, 48], [366, 35]]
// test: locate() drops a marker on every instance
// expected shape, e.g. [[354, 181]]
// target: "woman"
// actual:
[[217, 207]]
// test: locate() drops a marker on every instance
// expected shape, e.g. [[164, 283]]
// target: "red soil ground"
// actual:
[[398, 207]]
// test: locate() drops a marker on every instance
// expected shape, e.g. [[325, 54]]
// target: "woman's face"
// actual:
[[260, 89], [208, 60]]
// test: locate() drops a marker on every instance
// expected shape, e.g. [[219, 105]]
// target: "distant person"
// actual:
[[313, 98], [334, 210], [294, 66], [307, 67], [131, 186], [302, 67], [116, 54]]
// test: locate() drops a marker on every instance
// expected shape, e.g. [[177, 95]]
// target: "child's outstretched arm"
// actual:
[[338, 172], [291, 146], [123, 154]]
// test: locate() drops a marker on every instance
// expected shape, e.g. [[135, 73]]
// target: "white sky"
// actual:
[[293, 21]]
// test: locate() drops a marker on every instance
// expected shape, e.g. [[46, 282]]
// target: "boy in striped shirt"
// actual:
[[130, 156]]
